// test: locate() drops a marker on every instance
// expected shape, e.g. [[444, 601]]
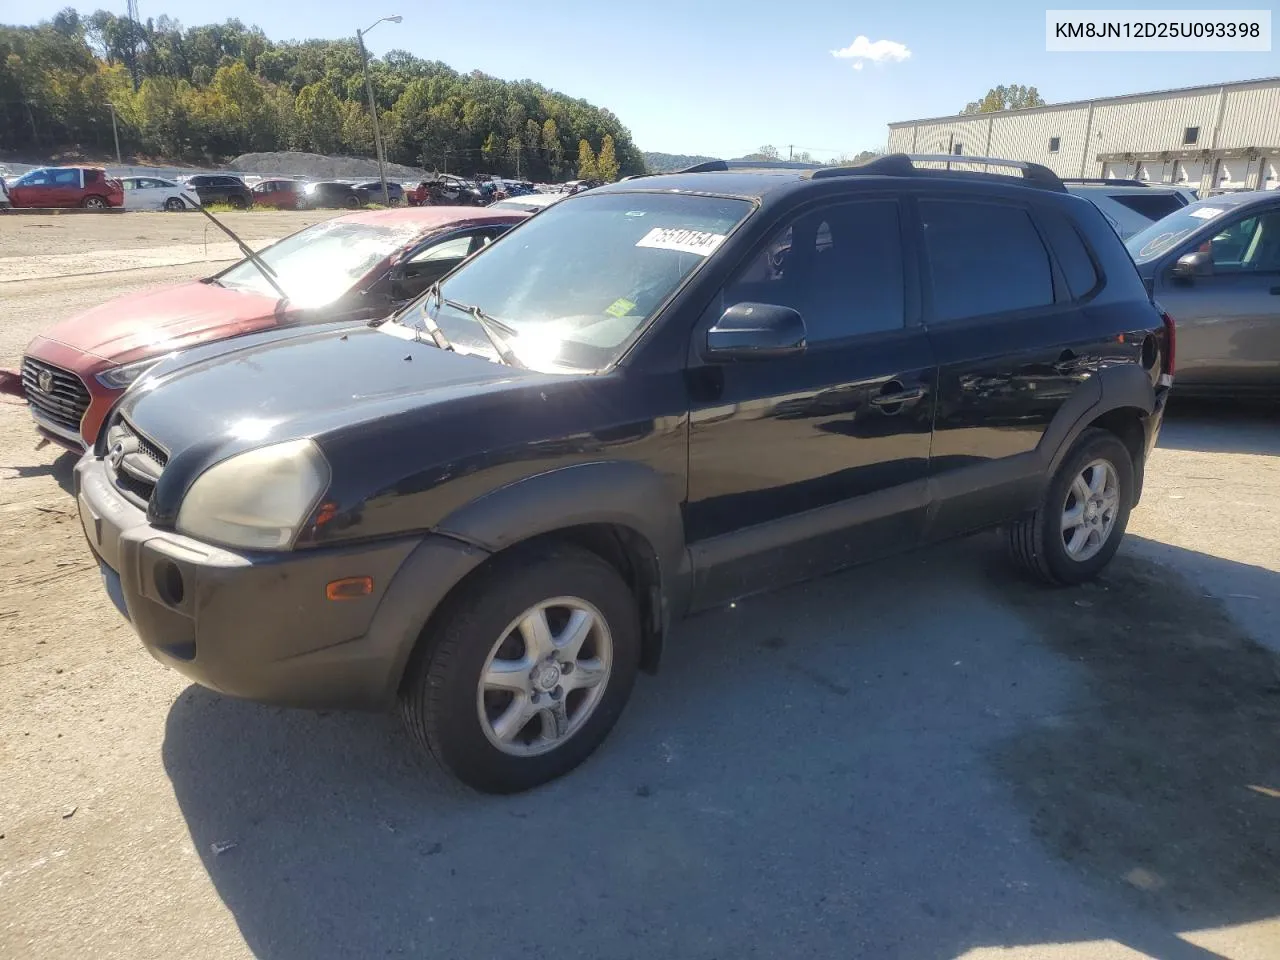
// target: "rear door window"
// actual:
[[66, 178], [984, 259]]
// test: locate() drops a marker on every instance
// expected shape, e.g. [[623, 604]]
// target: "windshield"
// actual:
[[1163, 235], [577, 281], [318, 265]]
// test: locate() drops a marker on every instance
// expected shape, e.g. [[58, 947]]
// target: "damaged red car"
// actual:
[[359, 266]]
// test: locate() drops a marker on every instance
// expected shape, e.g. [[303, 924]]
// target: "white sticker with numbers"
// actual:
[[682, 241]]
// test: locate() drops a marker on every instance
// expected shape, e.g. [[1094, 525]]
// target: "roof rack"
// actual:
[[1107, 181], [905, 165]]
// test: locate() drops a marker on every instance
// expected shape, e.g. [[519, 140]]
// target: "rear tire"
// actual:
[[94, 203], [1078, 526], [351, 203], [571, 695]]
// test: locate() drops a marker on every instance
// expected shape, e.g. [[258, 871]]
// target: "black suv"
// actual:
[[221, 188], [655, 398]]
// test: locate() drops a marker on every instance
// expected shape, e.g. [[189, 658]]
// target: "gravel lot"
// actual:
[[923, 759]]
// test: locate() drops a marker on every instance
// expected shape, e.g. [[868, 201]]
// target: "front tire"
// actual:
[[174, 205], [94, 203], [237, 202], [526, 670], [1078, 526]]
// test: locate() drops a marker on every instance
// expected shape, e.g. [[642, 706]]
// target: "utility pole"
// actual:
[[115, 133], [791, 152], [373, 106], [518, 146]]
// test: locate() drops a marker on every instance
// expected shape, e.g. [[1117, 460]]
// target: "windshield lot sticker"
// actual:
[[682, 241], [620, 307], [1207, 213]]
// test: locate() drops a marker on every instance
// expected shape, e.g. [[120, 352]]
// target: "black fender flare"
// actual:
[[1116, 387], [619, 493]]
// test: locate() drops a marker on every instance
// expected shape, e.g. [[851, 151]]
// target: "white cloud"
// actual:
[[877, 51]]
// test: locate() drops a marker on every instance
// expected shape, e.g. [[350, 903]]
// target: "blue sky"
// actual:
[[722, 78]]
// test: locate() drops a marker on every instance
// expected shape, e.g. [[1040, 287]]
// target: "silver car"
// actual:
[[1214, 265]]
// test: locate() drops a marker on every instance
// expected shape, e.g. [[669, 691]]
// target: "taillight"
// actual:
[[1171, 342]]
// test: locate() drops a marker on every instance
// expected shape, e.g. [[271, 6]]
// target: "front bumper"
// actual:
[[260, 626]]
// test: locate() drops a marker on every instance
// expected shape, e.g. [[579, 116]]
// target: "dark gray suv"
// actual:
[[1215, 266]]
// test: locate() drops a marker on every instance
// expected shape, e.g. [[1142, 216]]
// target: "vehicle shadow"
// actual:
[[835, 764], [1220, 426], [62, 470]]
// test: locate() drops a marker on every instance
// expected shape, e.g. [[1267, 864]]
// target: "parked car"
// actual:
[[220, 188], [333, 194], [4, 194], [578, 186], [490, 507], [395, 192], [1130, 205], [1215, 266], [281, 194], [529, 203], [352, 267], [446, 190], [87, 187], [155, 193]]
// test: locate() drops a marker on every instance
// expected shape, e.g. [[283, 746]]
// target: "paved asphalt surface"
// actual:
[[928, 758]]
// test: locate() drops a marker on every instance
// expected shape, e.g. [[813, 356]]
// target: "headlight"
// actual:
[[256, 500], [117, 378]]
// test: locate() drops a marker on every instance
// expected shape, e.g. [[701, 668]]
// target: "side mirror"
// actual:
[[1192, 265], [755, 331]]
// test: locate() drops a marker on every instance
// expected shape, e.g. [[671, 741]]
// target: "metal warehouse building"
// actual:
[[1222, 137]]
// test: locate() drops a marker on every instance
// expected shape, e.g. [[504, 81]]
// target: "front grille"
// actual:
[[65, 400], [133, 461]]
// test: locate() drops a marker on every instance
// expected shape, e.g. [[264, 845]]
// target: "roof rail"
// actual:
[[720, 166], [1107, 181], [905, 165]]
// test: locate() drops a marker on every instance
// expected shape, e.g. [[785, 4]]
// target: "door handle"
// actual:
[[901, 396]]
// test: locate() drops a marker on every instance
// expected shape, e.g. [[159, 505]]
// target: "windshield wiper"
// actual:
[[268, 274], [429, 323], [493, 328]]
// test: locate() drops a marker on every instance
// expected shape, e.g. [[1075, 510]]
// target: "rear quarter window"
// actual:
[[1072, 254], [984, 259]]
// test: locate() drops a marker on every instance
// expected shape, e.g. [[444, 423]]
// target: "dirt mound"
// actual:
[[318, 167]]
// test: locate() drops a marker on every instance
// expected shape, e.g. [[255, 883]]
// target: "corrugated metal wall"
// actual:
[[1150, 124], [1252, 117], [1028, 138]]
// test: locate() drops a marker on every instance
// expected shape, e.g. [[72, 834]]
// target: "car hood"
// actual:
[[272, 387], [157, 321]]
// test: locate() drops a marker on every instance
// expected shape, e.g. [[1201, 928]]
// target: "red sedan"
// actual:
[[354, 267]]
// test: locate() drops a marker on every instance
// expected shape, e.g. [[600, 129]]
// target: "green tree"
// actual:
[[318, 121], [999, 98], [552, 148], [586, 161], [491, 151], [607, 162]]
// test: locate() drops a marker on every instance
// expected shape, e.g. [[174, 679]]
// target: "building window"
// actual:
[[959, 149], [1054, 144], [1190, 135]]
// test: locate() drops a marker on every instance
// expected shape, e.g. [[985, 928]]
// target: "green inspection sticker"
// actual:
[[619, 307]]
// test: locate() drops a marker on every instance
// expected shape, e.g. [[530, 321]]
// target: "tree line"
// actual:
[[205, 94]]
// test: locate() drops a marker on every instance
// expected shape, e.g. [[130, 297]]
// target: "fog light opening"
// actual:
[[169, 583], [349, 588]]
